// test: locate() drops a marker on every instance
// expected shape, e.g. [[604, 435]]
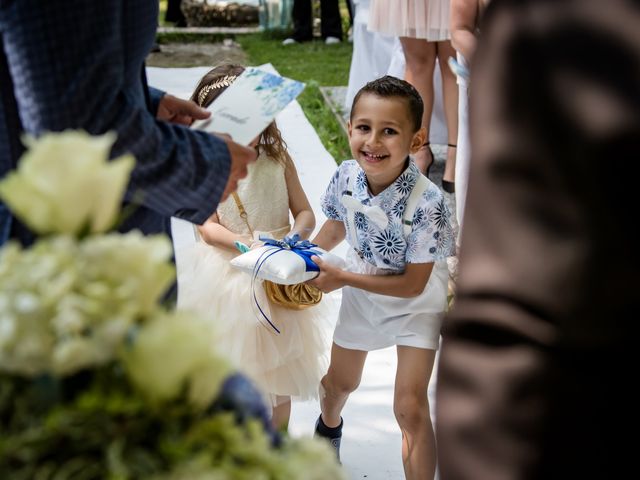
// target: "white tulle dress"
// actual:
[[426, 19], [287, 364]]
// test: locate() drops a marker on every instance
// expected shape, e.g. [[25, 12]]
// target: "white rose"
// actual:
[[65, 183], [73, 354], [174, 351], [7, 329]]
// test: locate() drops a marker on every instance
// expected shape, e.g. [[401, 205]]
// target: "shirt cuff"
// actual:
[[155, 96]]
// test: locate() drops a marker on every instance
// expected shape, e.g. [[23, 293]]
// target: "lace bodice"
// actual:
[[265, 198]]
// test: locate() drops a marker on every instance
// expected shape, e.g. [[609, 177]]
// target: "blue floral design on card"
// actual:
[[275, 91]]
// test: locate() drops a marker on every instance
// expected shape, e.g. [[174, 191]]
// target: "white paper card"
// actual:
[[249, 105]]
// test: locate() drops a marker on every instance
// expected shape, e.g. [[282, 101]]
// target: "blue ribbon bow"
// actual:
[[302, 248]]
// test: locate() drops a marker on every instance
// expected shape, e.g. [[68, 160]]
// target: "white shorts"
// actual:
[[369, 321]]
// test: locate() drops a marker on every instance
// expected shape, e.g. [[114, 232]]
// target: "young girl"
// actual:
[[283, 365], [394, 290]]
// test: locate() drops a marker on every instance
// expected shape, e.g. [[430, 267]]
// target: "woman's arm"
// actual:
[[304, 221], [408, 284], [215, 234], [464, 15]]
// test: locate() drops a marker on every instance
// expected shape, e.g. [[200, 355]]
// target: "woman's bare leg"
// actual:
[[420, 59], [450, 102]]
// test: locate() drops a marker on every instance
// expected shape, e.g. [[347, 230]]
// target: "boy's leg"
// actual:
[[411, 408], [343, 377]]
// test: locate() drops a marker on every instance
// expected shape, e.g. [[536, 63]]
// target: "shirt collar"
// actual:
[[403, 184]]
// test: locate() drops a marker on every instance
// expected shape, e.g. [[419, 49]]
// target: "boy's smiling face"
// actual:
[[381, 135]]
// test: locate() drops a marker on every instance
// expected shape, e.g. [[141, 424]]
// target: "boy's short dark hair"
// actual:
[[389, 86]]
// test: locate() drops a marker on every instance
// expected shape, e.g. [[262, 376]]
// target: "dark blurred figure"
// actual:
[[79, 64], [302, 16], [174, 13], [536, 367]]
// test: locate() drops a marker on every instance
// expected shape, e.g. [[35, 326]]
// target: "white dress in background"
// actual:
[[372, 53], [287, 364], [427, 19], [463, 152]]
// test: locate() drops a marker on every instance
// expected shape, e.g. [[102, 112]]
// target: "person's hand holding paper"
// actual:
[[249, 105], [244, 110]]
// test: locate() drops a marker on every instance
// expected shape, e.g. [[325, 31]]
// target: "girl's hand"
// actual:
[[242, 247], [253, 244], [330, 277], [243, 243]]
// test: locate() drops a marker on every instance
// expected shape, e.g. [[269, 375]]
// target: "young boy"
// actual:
[[394, 290]]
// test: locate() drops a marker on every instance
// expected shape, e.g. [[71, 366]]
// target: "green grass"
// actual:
[[314, 63], [317, 65]]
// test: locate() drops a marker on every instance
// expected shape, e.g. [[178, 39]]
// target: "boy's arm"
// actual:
[[408, 284], [330, 235]]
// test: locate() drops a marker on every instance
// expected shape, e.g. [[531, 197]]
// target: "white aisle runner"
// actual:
[[371, 438]]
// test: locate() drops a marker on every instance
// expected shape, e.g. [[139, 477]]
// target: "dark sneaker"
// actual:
[[333, 435]]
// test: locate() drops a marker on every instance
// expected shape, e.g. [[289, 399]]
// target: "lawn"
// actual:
[[314, 63]]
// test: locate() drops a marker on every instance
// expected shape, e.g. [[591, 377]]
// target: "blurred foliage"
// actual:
[[96, 380], [93, 426], [161, 14]]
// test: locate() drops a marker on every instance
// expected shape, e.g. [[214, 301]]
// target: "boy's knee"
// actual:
[[336, 385], [410, 411]]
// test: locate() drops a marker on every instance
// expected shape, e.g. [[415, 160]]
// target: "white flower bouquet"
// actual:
[[97, 379]]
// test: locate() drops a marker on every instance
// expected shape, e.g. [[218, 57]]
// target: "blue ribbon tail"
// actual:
[[303, 248], [256, 303]]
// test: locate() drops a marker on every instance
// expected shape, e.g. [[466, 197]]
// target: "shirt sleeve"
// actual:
[[155, 95], [330, 201], [431, 238], [76, 65]]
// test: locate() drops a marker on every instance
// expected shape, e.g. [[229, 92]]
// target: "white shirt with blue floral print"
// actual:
[[431, 237]]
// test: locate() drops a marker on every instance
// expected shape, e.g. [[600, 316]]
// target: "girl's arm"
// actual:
[[330, 235], [463, 25], [304, 221], [408, 284], [215, 234]]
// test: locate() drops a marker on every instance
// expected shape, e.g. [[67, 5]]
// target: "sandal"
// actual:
[[427, 146]]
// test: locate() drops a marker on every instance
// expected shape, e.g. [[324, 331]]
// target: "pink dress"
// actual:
[[426, 19]]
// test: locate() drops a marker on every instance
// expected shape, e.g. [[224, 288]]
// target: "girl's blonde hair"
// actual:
[[214, 83]]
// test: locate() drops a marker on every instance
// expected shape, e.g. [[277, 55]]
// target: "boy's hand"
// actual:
[[330, 277]]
